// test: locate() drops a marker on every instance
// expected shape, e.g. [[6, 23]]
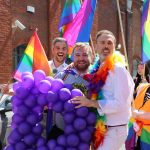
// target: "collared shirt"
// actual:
[[57, 69], [118, 95]]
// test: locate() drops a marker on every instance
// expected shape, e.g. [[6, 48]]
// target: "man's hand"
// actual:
[[83, 101]]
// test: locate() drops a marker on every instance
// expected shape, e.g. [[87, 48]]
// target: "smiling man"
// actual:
[[111, 94], [59, 52]]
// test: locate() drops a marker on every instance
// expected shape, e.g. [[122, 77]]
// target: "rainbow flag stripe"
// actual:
[[70, 10], [79, 29], [34, 58], [146, 31], [144, 137]]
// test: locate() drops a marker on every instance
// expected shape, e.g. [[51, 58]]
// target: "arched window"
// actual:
[[17, 55]]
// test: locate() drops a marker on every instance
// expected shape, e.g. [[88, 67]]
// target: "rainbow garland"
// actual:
[[97, 79]]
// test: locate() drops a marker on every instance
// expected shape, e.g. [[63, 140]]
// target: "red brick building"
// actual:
[[46, 18]]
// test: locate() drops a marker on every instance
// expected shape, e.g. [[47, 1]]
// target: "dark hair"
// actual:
[[138, 78], [107, 32]]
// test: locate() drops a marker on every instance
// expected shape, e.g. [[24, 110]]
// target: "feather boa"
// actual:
[[97, 78]]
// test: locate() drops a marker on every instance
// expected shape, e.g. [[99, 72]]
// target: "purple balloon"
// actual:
[[84, 146], [38, 76], [57, 84], [69, 107], [24, 128], [76, 92], [42, 100], [52, 97], [79, 124], [69, 118], [51, 144], [35, 90], [49, 78], [82, 112], [16, 85], [17, 119], [38, 129], [64, 94], [59, 148], [14, 137], [58, 107], [20, 146], [30, 101], [41, 141], [28, 81], [23, 111], [16, 101], [72, 140], [91, 129], [91, 118], [32, 119], [71, 148], [69, 129], [85, 136], [21, 92], [25, 73], [42, 148], [38, 109], [10, 147], [44, 86], [30, 139], [61, 140]]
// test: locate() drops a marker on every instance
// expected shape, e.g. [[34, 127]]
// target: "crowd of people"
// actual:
[[112, 93]]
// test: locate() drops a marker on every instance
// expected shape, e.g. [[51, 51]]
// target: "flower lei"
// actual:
[[97, 79]]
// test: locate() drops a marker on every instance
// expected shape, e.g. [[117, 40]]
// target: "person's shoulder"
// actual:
[[120, 67]]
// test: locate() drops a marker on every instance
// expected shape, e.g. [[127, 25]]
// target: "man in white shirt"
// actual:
[[59, 53], [114, 94]]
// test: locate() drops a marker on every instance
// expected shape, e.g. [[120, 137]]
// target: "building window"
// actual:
[[17, 55]]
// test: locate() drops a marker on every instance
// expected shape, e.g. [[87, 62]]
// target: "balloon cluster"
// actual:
[[32, 94]]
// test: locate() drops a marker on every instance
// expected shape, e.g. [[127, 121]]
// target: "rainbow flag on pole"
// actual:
[[34, 58], [79, 29], [146, 31], [70, 10]]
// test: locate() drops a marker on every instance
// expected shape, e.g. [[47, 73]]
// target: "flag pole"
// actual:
[[122, 34]]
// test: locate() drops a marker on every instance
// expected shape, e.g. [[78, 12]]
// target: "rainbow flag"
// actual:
[[144, 137], [70, 10], [80, 27], [34, 58], [146, 31]]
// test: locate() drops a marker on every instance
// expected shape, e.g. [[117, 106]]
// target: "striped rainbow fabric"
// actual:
[[70, 10], [146, 31], [144, 137], [34, 58], [79, 29]]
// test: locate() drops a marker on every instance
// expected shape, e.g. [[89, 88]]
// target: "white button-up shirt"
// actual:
[[57, 69], [118, 94]]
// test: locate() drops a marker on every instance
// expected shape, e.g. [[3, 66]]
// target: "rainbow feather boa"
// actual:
[[97, 77]]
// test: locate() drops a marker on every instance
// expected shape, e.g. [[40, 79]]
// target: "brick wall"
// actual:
[[46, 19], [5, 41]]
